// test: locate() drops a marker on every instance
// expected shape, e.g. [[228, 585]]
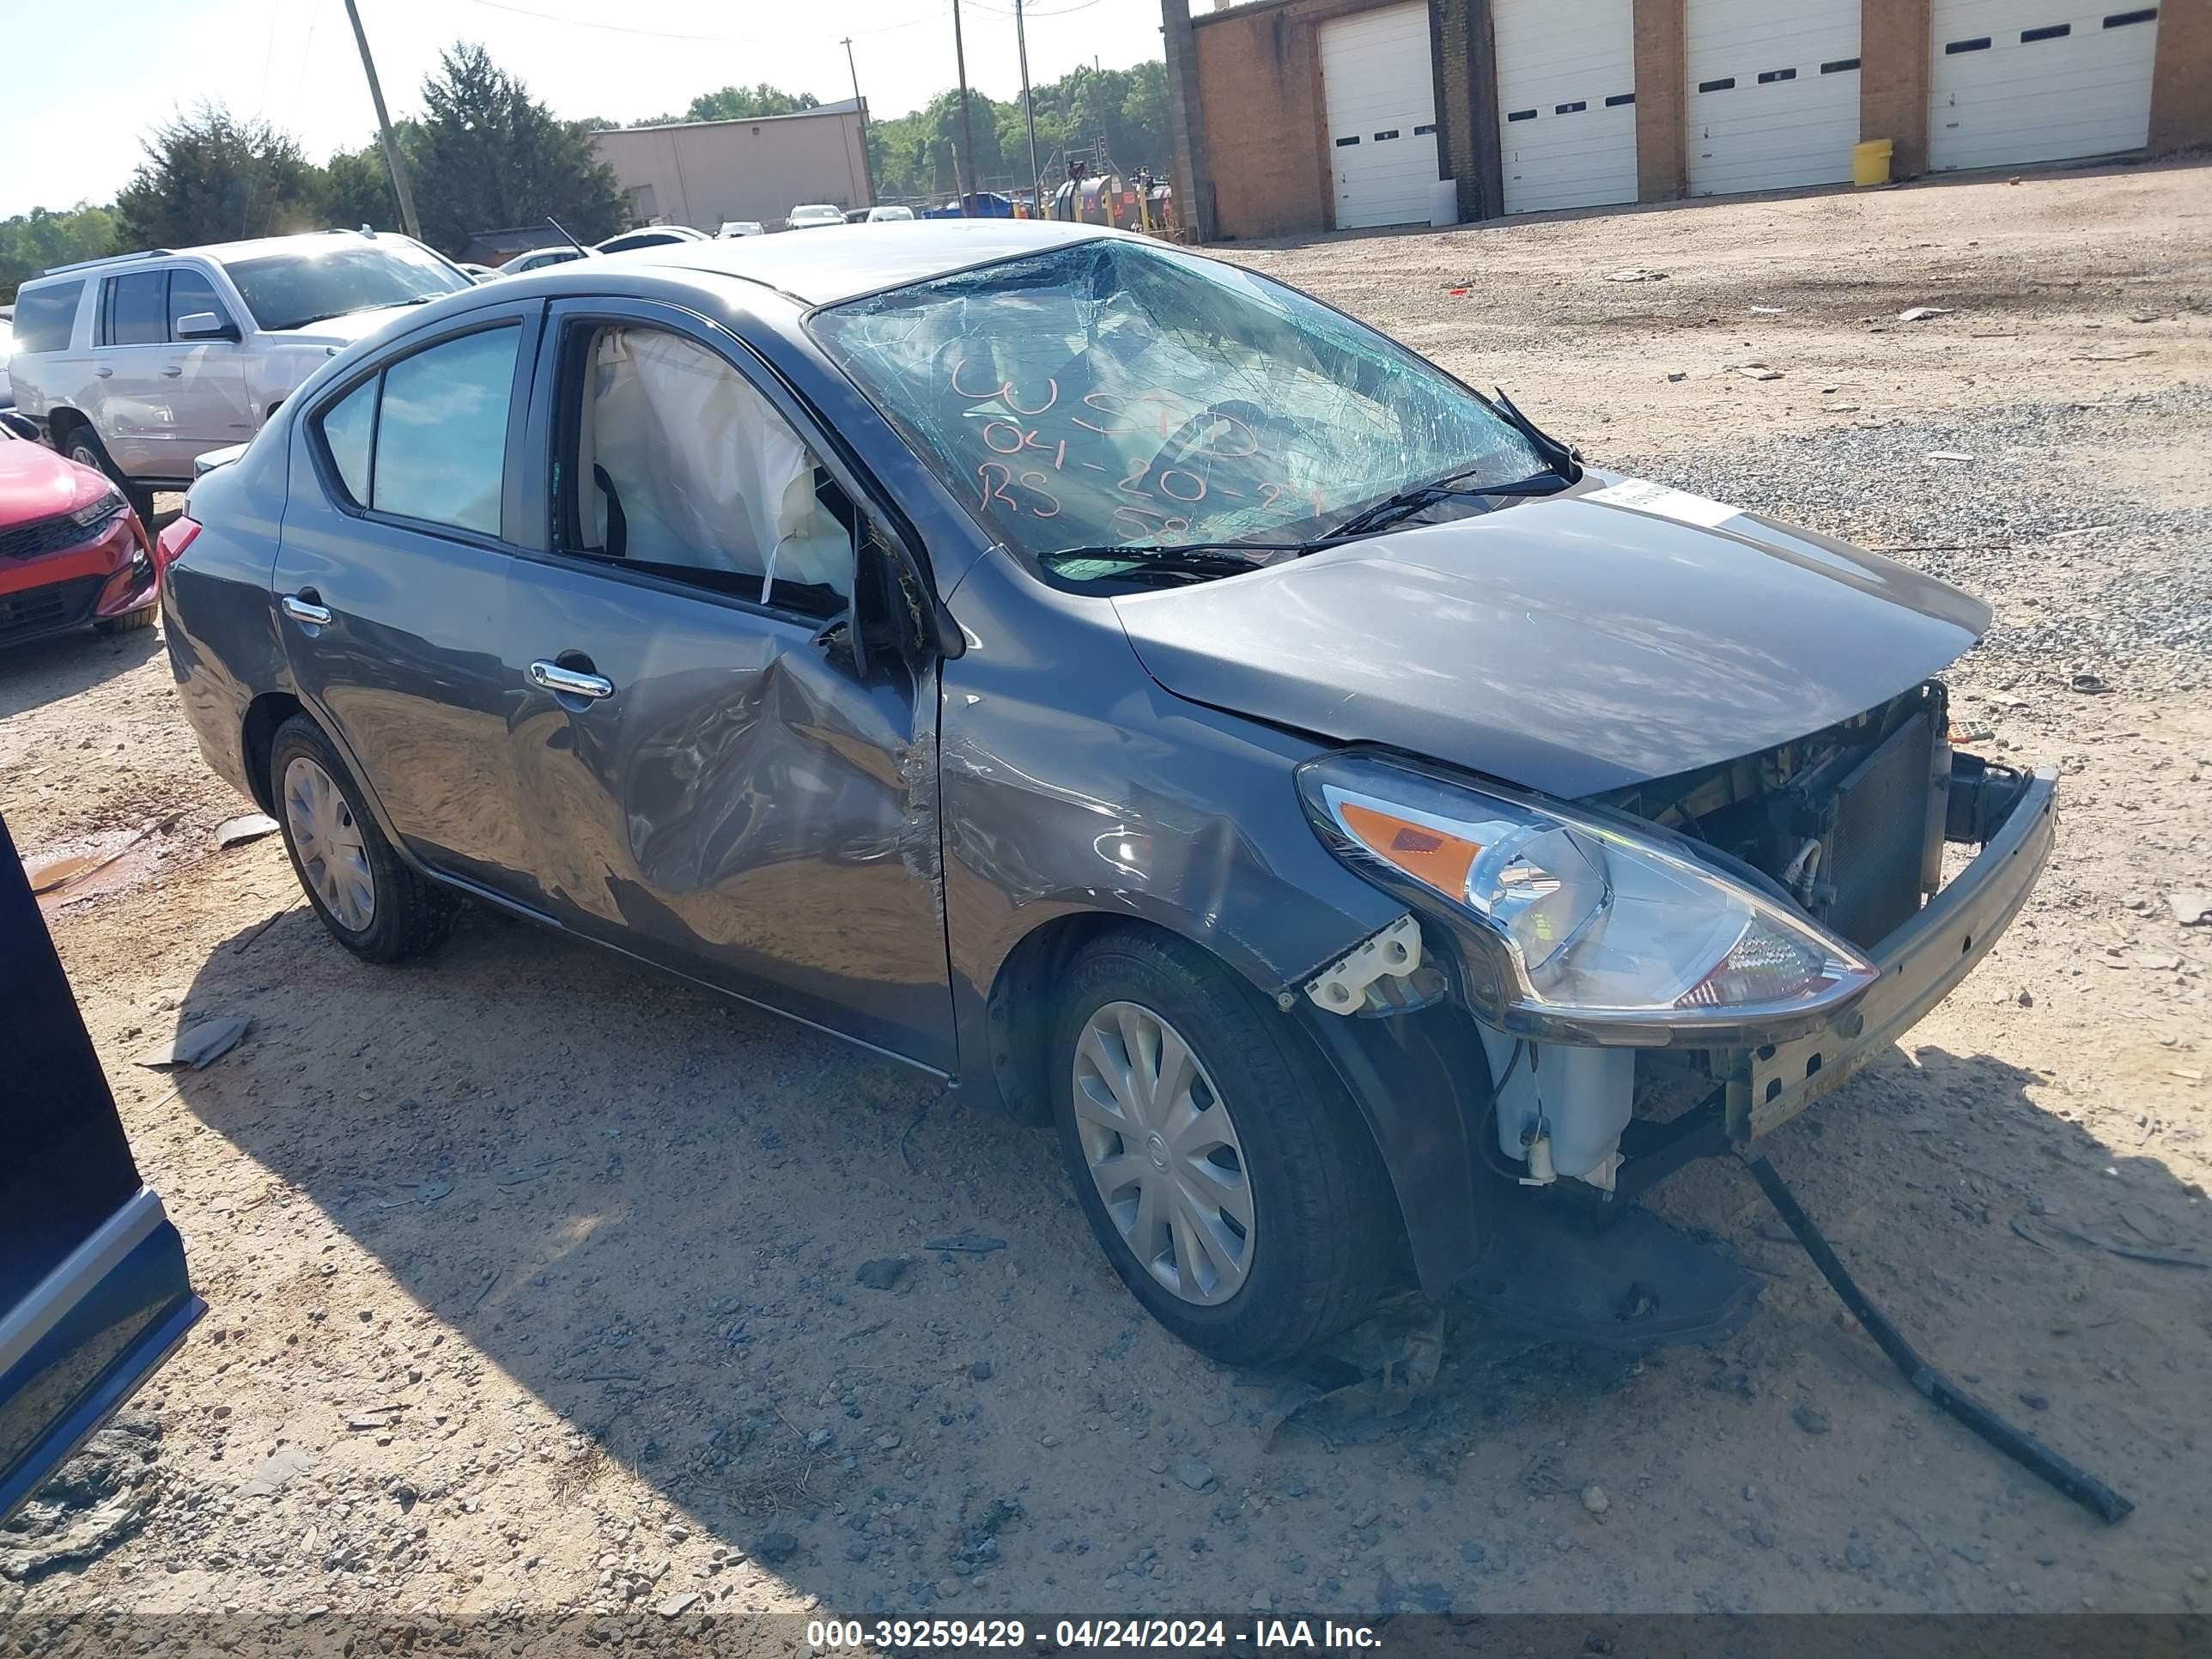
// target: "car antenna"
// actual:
[[572, 242]]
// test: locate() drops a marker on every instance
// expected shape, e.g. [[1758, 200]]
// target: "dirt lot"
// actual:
[[532, 1274]]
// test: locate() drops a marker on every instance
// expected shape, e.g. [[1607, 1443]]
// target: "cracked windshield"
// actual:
[[1104, 405]]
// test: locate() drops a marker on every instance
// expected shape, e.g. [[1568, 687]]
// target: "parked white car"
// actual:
[[538, 258], [7, 347], [890, 214], [742, 227], [138, 364], [813, 216], [650, 236]]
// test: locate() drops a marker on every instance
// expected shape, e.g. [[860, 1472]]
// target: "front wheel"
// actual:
[[81, 445], [1226, 1174]]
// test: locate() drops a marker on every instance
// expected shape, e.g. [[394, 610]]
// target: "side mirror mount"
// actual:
[[205, 325]]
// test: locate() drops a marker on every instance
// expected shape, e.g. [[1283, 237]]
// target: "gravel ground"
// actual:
[[547, 1295], [2083, 562]]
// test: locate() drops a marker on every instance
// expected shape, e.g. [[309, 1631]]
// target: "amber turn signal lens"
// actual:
[[1430, 855]]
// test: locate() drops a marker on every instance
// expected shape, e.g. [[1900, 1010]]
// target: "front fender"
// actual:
[[1072, 784]]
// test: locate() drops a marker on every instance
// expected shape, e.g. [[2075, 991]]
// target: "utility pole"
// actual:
[[967, 132], [391, 161], [867, 167], [1028, 110]]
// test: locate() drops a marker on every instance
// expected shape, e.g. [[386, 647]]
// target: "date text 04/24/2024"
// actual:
[[1215, 1634]]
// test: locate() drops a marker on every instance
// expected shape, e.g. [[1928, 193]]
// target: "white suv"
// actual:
[[136, 365]]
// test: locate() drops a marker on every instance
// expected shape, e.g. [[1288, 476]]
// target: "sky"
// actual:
[[294, 62]]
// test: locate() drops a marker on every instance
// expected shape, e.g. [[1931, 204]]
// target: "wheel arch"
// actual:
[[257, 735], [63, 419]]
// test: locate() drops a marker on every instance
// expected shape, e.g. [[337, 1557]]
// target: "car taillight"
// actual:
[[179, 535]]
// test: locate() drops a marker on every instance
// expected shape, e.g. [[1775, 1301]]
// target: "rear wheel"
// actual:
[[1223, 1167], [128, 620], [371, 901]]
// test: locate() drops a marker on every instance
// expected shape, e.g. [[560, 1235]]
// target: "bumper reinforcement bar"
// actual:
[[2023, 1448]]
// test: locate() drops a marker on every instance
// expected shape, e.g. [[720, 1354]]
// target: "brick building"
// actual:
[[1302, 115]]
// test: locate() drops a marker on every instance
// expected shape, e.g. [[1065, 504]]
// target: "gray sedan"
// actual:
[[1137, 696]]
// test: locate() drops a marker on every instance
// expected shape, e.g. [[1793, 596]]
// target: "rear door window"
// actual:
[[46, 317], [427, 439], [137, 309], [349, 430]]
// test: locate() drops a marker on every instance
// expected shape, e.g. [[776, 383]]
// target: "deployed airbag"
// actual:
[[705, 470]]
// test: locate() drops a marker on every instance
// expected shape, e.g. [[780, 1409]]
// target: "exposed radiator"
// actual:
[[1876, 829]]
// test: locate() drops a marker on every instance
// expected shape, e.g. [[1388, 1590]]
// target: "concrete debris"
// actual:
[[245, 827], [885, 1274], [2191, 908]]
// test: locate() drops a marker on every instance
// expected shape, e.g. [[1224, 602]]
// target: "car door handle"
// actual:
[[305, 611], [551, 677], [174, 371], [103, 371]]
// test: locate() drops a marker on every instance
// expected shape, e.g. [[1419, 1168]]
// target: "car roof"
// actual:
[[839, 262], [222, 253]]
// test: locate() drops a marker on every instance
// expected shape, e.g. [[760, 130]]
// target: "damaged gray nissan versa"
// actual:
[[1144, 698]]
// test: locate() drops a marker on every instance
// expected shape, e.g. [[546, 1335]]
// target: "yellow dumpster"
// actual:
[[1870, 163]]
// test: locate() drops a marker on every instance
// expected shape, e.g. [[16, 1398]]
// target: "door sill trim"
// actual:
[[77, 1275], [529, 912]]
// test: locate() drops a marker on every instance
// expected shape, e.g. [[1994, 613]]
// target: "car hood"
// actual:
[[1570, 644], [36, 483]]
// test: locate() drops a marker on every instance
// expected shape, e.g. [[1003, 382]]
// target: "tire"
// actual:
[[81, 445], [128, 621], [401, 915], [1323, 1232]]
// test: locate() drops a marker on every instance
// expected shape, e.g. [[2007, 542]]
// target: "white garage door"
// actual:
[[1381, 102], [2014, 80], [1773, 93], [1566, 102]]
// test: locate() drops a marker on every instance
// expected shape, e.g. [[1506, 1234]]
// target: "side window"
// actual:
[[190, 292], [137, 309], [682, 467], [427, 437], [348, 426], [46, 317]]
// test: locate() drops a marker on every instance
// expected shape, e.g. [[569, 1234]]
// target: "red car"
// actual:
[[72, 551]]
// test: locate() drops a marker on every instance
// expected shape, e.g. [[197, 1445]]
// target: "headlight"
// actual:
[[99, 510], [1575, 927]]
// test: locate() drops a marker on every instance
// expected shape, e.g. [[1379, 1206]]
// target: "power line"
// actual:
[[672, 34], [1033, 13]]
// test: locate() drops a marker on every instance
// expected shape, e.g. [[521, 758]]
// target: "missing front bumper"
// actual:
[[1921, 964]]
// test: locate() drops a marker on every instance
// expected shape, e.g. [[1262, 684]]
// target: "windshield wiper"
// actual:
[[1406, 502], [1198, 558], [374, 305]]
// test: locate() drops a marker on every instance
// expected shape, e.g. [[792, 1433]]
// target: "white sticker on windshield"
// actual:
[[1665, 500]]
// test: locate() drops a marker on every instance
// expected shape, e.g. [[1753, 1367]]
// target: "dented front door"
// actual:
[[741, 804]]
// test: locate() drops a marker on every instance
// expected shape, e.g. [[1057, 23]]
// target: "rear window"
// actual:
[[45, 316]]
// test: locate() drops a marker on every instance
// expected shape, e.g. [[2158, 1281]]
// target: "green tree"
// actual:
[[1126, 109], [357, 183], [489, 154], [1145, 129], [736, 103], [912, 155], [210, 176], [31, 241]]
